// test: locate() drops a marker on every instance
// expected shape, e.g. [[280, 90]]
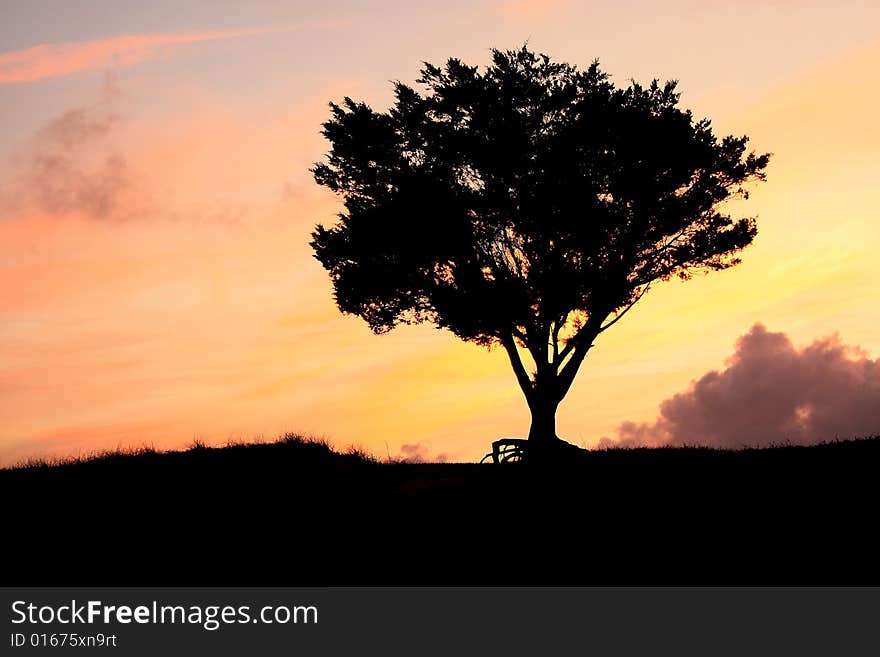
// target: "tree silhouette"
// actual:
[[530, 205]]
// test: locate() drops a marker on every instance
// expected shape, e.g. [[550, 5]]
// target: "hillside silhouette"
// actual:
[[297, 512]]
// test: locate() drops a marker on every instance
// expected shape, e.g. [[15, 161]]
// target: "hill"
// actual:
[[298, 513]]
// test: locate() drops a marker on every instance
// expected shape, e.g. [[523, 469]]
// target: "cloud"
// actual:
[[770, 392], [420, 453], [58, 59], [72, 165], [109, 160]]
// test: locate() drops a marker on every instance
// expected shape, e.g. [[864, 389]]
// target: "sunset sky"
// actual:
[[156, 205]]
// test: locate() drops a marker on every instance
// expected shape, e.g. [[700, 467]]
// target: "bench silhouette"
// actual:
[[506, 449]]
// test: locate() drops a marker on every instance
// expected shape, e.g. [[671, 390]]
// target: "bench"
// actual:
[[505, 450]]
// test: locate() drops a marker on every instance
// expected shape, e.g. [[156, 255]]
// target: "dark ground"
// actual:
[[299, 514]]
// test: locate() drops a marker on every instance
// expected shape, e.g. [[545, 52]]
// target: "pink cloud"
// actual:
[[420, 453], [57, 59], [771, 392]]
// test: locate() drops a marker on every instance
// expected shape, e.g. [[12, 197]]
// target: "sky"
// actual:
[[156, 204]]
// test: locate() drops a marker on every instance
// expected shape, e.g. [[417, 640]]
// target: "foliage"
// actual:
[[530, 204]]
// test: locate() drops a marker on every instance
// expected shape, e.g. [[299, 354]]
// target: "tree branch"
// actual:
[[522, 377], [554, 343], [578, 346], [625, 310], [566, 376], [571, 343], [558, 325], [535, 353]]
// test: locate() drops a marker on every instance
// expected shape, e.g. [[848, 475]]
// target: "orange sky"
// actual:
[[155, 207]]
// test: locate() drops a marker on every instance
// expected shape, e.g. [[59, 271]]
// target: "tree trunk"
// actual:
[[544, 391], [542, 432]]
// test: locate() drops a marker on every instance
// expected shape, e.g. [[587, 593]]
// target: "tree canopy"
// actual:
[[529, 204]]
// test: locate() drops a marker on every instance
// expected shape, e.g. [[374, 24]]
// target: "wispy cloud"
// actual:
[[72, 163], [101, 160], [58, 59]]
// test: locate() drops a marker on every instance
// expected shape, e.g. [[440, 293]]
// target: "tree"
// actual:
[[529, 206]]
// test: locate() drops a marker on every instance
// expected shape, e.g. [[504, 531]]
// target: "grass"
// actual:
[[296, 511], [299, 444]]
